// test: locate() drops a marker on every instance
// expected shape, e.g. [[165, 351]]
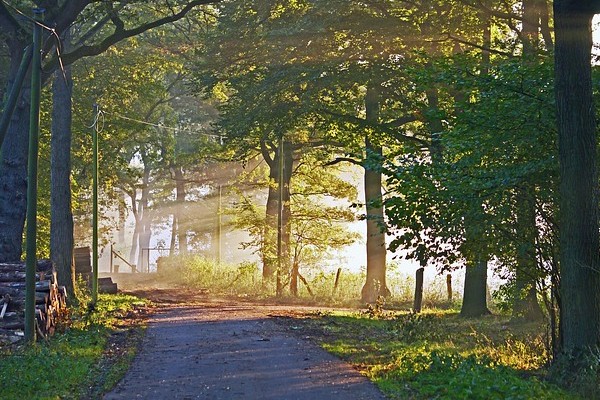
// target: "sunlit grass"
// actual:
[[438, 355], [66, 365], [245, 280]]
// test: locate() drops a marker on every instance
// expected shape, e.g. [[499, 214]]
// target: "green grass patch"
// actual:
[[67, 365], [438, 355]]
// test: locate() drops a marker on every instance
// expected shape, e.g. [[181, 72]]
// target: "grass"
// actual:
[[244, 280], [88, 358], [438, 355]]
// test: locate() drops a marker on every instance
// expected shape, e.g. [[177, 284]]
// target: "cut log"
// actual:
[[42, 266]]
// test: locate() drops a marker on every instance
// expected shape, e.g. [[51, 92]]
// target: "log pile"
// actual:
[[50, 300]]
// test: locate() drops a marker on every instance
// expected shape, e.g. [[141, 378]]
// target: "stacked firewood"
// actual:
[[50, 301]]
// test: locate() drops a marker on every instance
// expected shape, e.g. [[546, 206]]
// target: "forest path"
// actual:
[[224, 350]]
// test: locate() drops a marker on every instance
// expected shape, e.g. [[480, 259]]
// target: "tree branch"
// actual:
[[119, 35], [383, 127]]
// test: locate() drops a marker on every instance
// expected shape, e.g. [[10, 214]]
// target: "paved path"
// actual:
[[236, 352]]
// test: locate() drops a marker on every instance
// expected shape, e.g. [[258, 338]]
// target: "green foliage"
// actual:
[[315, 224], [65, 366], [580, 373]]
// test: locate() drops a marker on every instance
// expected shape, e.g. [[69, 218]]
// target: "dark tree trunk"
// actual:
[[475, 291], [294, 278], [61, 220], [579, 247], [375, 284], [418, 300], [270, 236], [526, 304], [173, 236], [13, 170]]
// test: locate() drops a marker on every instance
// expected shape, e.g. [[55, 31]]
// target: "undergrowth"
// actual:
[[438, 355], [66, 366], [245, 280]]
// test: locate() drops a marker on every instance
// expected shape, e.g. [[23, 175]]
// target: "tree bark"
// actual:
[[375, 284], [269, 244], [526, 305], [418, 300], [145, 230], [61, 216], [474, 297], [13, 174], [179, 212], [269, 253], [579, 243]]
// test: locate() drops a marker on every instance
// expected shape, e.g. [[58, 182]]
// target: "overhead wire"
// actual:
[[49, 29], [169, 128]]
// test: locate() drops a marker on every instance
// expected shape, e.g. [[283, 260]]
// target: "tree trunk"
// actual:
[[173, 235], [13, 169], [179, 211], [136, 230], [579, 247], [145, 231], [122, 220], [288, 161], [269, 243], [474, 295], [294, 278], [525, 304], [61, 220], [375, 284], [418, 300], [269, 252]]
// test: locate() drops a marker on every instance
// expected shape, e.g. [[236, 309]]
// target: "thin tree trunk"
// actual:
[[145, 231], [61, 221], [137, 226], [179, 211], [418, 300], [269, 249], [173, 235]]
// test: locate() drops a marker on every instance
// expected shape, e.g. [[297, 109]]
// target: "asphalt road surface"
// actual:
[[225, 352]]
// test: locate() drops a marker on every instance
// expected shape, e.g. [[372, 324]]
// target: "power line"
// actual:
[[170, 128]]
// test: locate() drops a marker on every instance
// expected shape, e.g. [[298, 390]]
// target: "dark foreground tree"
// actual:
[[579, 247]]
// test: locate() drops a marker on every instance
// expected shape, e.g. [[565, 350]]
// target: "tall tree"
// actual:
[[61, 215], [579, 244]]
